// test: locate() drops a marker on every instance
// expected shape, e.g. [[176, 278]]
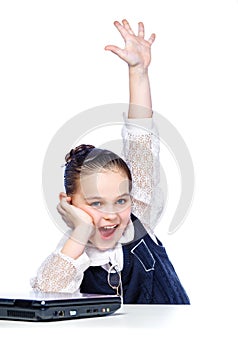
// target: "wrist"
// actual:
[[140, 97], [138, 71], [82, 233], [75, 245], [73, 249]]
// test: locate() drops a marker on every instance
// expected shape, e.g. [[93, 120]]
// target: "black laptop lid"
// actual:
[[37, 306]]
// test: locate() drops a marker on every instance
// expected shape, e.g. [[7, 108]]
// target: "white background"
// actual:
[[53, 66]]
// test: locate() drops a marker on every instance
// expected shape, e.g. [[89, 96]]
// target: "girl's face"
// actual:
[[105, 197]]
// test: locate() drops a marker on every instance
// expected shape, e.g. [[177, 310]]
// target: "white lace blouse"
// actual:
[[60, 273]]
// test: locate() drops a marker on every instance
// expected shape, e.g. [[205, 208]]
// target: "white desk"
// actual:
[[174, 327], [128, 316]]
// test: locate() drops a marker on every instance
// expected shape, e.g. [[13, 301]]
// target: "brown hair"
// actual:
[[87, 159]]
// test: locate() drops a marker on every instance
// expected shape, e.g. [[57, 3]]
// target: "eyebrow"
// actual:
[[98, 197]]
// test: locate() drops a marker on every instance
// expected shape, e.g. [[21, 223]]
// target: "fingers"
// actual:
[[125, 31], [127, 27], [64, 204], [64, 216], [141, 30], [60, 209], [119, 52], [141, 33], [151, 38], [113, 49], [122, 29], [64, 207]]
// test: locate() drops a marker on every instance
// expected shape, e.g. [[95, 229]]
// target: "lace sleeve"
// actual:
[[60, 273], [141, 151]]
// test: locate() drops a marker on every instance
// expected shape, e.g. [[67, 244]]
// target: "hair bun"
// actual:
[[80, 150]]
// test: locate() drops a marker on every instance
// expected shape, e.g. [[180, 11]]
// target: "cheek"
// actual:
[[95, 214], [126, 215]]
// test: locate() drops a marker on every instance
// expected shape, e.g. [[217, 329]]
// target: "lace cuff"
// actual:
[[60, 273]]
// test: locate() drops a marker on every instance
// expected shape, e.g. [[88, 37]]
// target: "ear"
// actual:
[[64, 195]]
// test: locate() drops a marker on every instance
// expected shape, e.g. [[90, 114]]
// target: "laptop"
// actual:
[[37, 306]]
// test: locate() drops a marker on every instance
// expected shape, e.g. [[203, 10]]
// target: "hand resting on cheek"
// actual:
[[77, 219]]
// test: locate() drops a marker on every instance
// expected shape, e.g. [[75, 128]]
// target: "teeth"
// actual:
[[109, 227]]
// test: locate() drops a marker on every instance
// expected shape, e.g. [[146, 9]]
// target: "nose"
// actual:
[[109, 214]]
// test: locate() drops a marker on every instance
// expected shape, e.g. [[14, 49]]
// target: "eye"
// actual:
[[121, 201], [95, 204]]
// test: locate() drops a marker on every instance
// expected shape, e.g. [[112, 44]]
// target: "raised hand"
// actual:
[[137, 51]]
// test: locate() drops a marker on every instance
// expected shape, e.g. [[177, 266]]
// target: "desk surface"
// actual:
[[128, 316], [192, 327]]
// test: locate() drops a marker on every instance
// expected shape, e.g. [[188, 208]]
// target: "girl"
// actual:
[[112, 206]]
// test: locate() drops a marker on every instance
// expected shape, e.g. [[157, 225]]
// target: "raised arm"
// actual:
[[137, 54], [140, 136]]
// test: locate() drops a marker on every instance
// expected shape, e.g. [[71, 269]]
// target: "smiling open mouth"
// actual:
[[107, 231]]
